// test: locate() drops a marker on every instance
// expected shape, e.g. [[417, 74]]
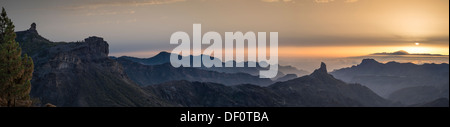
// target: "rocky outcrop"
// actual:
[[33, 28], [321, 72], [31, 42], [80, 74]]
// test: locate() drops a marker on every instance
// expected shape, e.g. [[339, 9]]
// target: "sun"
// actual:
[[417, 43]]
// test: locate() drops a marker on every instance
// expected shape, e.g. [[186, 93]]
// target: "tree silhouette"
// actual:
[[15, 70]]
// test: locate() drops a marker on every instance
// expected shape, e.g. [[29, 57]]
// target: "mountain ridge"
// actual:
[[146, 75], [80, 74], [316, 90], [164, 57], [397, 81]]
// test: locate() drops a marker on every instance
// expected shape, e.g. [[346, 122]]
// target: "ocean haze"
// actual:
[[309, 64]]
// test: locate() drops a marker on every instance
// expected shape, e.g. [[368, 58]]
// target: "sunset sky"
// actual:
[[307, 28]]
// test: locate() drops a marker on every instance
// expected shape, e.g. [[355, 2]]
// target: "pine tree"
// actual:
[[15, 70]]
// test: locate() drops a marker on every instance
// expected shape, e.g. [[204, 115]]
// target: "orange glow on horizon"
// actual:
[[340, 51], [325, 52]]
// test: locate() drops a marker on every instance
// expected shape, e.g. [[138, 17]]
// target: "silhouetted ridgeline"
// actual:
[[316, 90], [146, 75], [400, 82], [164, 58]]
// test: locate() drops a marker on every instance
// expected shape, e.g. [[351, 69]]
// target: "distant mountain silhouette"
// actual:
[[164, 57], [386, 79], [80, 74], [316, 90], [401, 52], [287, 77], [146, 75], [160, 58]]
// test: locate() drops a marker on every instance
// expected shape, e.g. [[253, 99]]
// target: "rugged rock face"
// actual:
[[97, 46], [80, 74]]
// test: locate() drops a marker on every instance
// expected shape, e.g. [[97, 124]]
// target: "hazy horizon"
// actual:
[[311, 63]]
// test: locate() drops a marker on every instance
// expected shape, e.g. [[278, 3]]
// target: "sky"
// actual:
[[307, 28]]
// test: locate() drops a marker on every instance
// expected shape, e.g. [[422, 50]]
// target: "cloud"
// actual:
[[272, 1], [120, 3], [344, 40], [351, 1], [105, 12], [323, 1], [329, 1], [402, 52]]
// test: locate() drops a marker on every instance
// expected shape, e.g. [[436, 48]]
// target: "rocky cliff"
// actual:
[[80, 74]]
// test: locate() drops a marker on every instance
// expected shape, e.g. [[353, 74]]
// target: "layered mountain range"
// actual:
[[407, 83], [78, 74], [146, 75], [158, 69], [164, 58], [319, 89]]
